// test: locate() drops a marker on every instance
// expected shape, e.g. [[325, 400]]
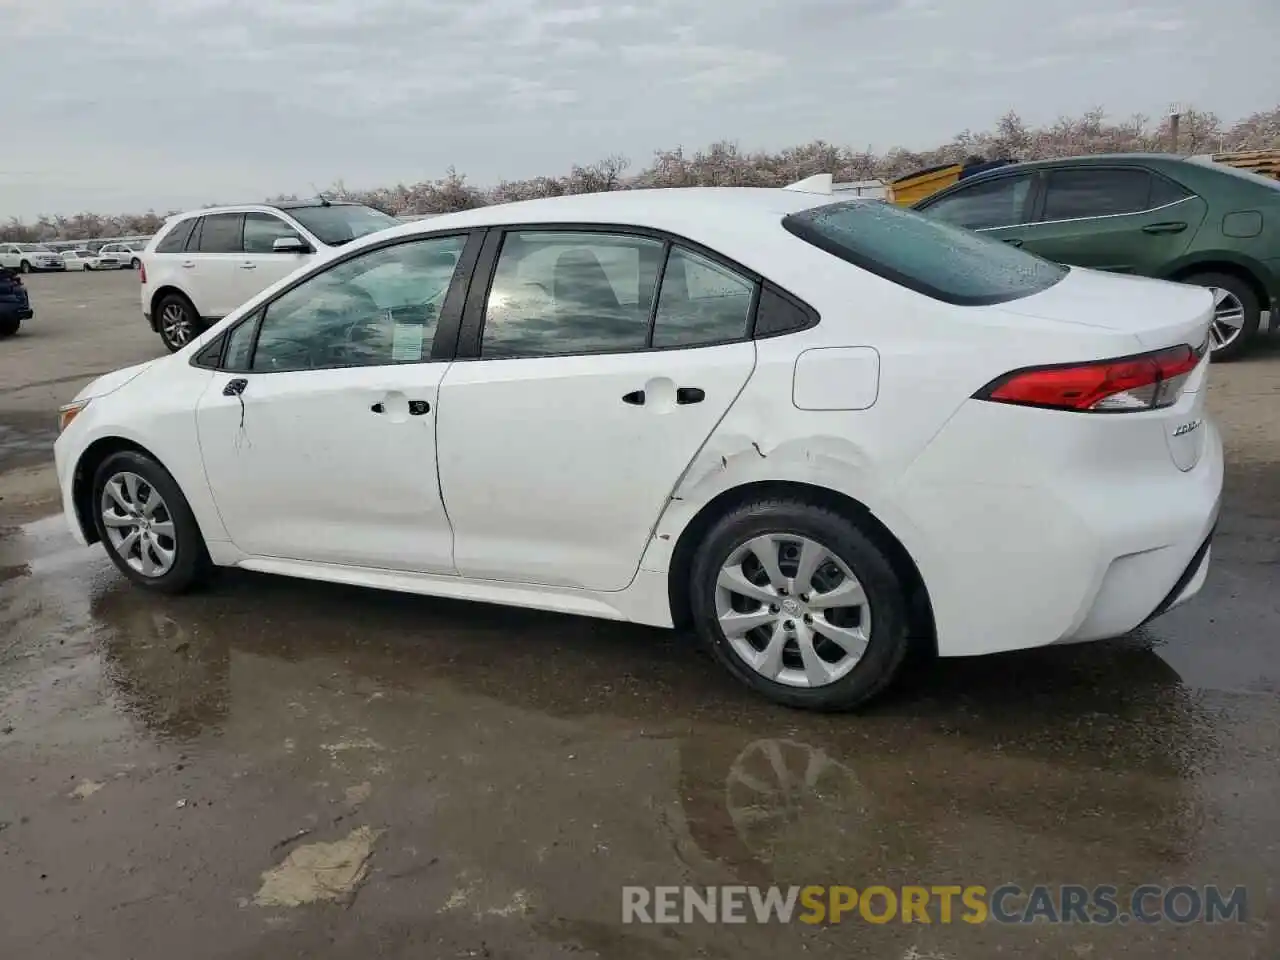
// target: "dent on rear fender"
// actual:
[[732, 460]]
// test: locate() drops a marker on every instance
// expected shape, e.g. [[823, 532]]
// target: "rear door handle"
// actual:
[[690, 395], [1173, 226], [635, 398], [1013, 242], [248, 266], [188, 264]]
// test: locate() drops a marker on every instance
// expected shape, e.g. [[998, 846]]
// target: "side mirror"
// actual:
[[290, 245]]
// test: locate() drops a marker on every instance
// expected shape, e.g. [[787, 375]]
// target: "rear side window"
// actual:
[[175, 241], [1074, 194], [221, 233], [928, 256]]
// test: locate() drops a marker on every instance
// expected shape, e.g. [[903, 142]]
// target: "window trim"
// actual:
[[471, 330], [1030, 203], [446, 323], [189, 223]]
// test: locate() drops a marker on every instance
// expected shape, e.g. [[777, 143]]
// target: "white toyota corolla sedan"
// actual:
[[819, 432]]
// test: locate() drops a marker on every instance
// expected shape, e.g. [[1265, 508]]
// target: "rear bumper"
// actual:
[[1016, 556], [22, 313]]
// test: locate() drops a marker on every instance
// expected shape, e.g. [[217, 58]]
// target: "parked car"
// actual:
[[1191, 220], [15, 305], [789, 421], [124, 256], [29, 257], [200, 266], [82, 260]]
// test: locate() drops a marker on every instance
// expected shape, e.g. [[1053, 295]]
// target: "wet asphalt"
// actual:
[[484, 781]]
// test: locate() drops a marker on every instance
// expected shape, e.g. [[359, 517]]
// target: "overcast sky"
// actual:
[[135, 104]]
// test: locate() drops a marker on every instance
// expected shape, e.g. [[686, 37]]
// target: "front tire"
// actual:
[[177, 323], [146, 524], [800, 605], [135, 263], [9, 326], [24, 267], [1237, 313]]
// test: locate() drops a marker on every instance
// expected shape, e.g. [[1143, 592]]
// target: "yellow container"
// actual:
[[905, 191]]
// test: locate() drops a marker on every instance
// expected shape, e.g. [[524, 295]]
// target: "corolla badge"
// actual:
[[1186, 428]]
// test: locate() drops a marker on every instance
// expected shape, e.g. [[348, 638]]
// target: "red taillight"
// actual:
[[1144, 382], [142, 273]]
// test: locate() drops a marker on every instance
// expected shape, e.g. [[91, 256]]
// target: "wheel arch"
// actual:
[[920, 607], [1250, 274], [168, 290], [82, 478]]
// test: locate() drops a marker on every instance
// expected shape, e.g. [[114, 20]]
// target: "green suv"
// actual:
[[1157, 215]]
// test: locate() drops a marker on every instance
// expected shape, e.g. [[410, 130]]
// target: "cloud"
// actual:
[[173, 103]]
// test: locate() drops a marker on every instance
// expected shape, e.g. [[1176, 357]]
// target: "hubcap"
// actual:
[[139, 524], [792, 610], [1228, 318], [174, 324]]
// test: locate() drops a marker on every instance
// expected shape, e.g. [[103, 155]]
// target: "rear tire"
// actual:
[[135, 263], [176, 321], [9, 326], [1240, 305], [24, 267], [814, 653], [146, 524]]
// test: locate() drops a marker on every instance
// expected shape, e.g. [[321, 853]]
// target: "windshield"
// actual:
[[341, 223], [34, 248], [937, 259]]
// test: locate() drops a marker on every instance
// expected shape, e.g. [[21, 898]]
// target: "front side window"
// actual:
[[994, 203], [701, 302], [1075, 194], [340, 223], [941, 261], [559, 293], [262, 230], [221, 233], [378, 308]]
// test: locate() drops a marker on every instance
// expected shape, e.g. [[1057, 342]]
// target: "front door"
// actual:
[[1122, 219], [261, 265], [560, 443], [318, 434]]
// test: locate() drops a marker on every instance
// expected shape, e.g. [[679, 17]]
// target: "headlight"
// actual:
[[69, 411]]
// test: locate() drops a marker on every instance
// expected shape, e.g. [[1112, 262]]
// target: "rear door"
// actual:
[[997, 206], [261, 265], [1121, 219], [214, 261], [580, 394]]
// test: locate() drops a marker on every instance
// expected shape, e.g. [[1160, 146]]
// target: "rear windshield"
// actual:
[[342, 222], [937, 259]]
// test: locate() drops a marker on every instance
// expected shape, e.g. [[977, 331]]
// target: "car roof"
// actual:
[[285, 205], [719, 217]]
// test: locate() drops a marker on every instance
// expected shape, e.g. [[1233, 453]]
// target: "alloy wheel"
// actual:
[[138, 524], [1228, 318], [792, 610], [175, 325]]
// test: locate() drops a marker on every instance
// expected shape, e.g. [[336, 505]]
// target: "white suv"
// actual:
[[124, 256], [203, 264]]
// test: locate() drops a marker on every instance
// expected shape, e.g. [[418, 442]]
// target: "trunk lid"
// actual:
[[1156, 312]]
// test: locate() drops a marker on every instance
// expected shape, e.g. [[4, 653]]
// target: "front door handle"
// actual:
[[690, 395], [1173, 226], [188, 264], [1013, 242], [635, 398], [248, 266], [235, 387]]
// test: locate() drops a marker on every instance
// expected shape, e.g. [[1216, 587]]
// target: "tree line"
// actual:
[[724, 163]]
